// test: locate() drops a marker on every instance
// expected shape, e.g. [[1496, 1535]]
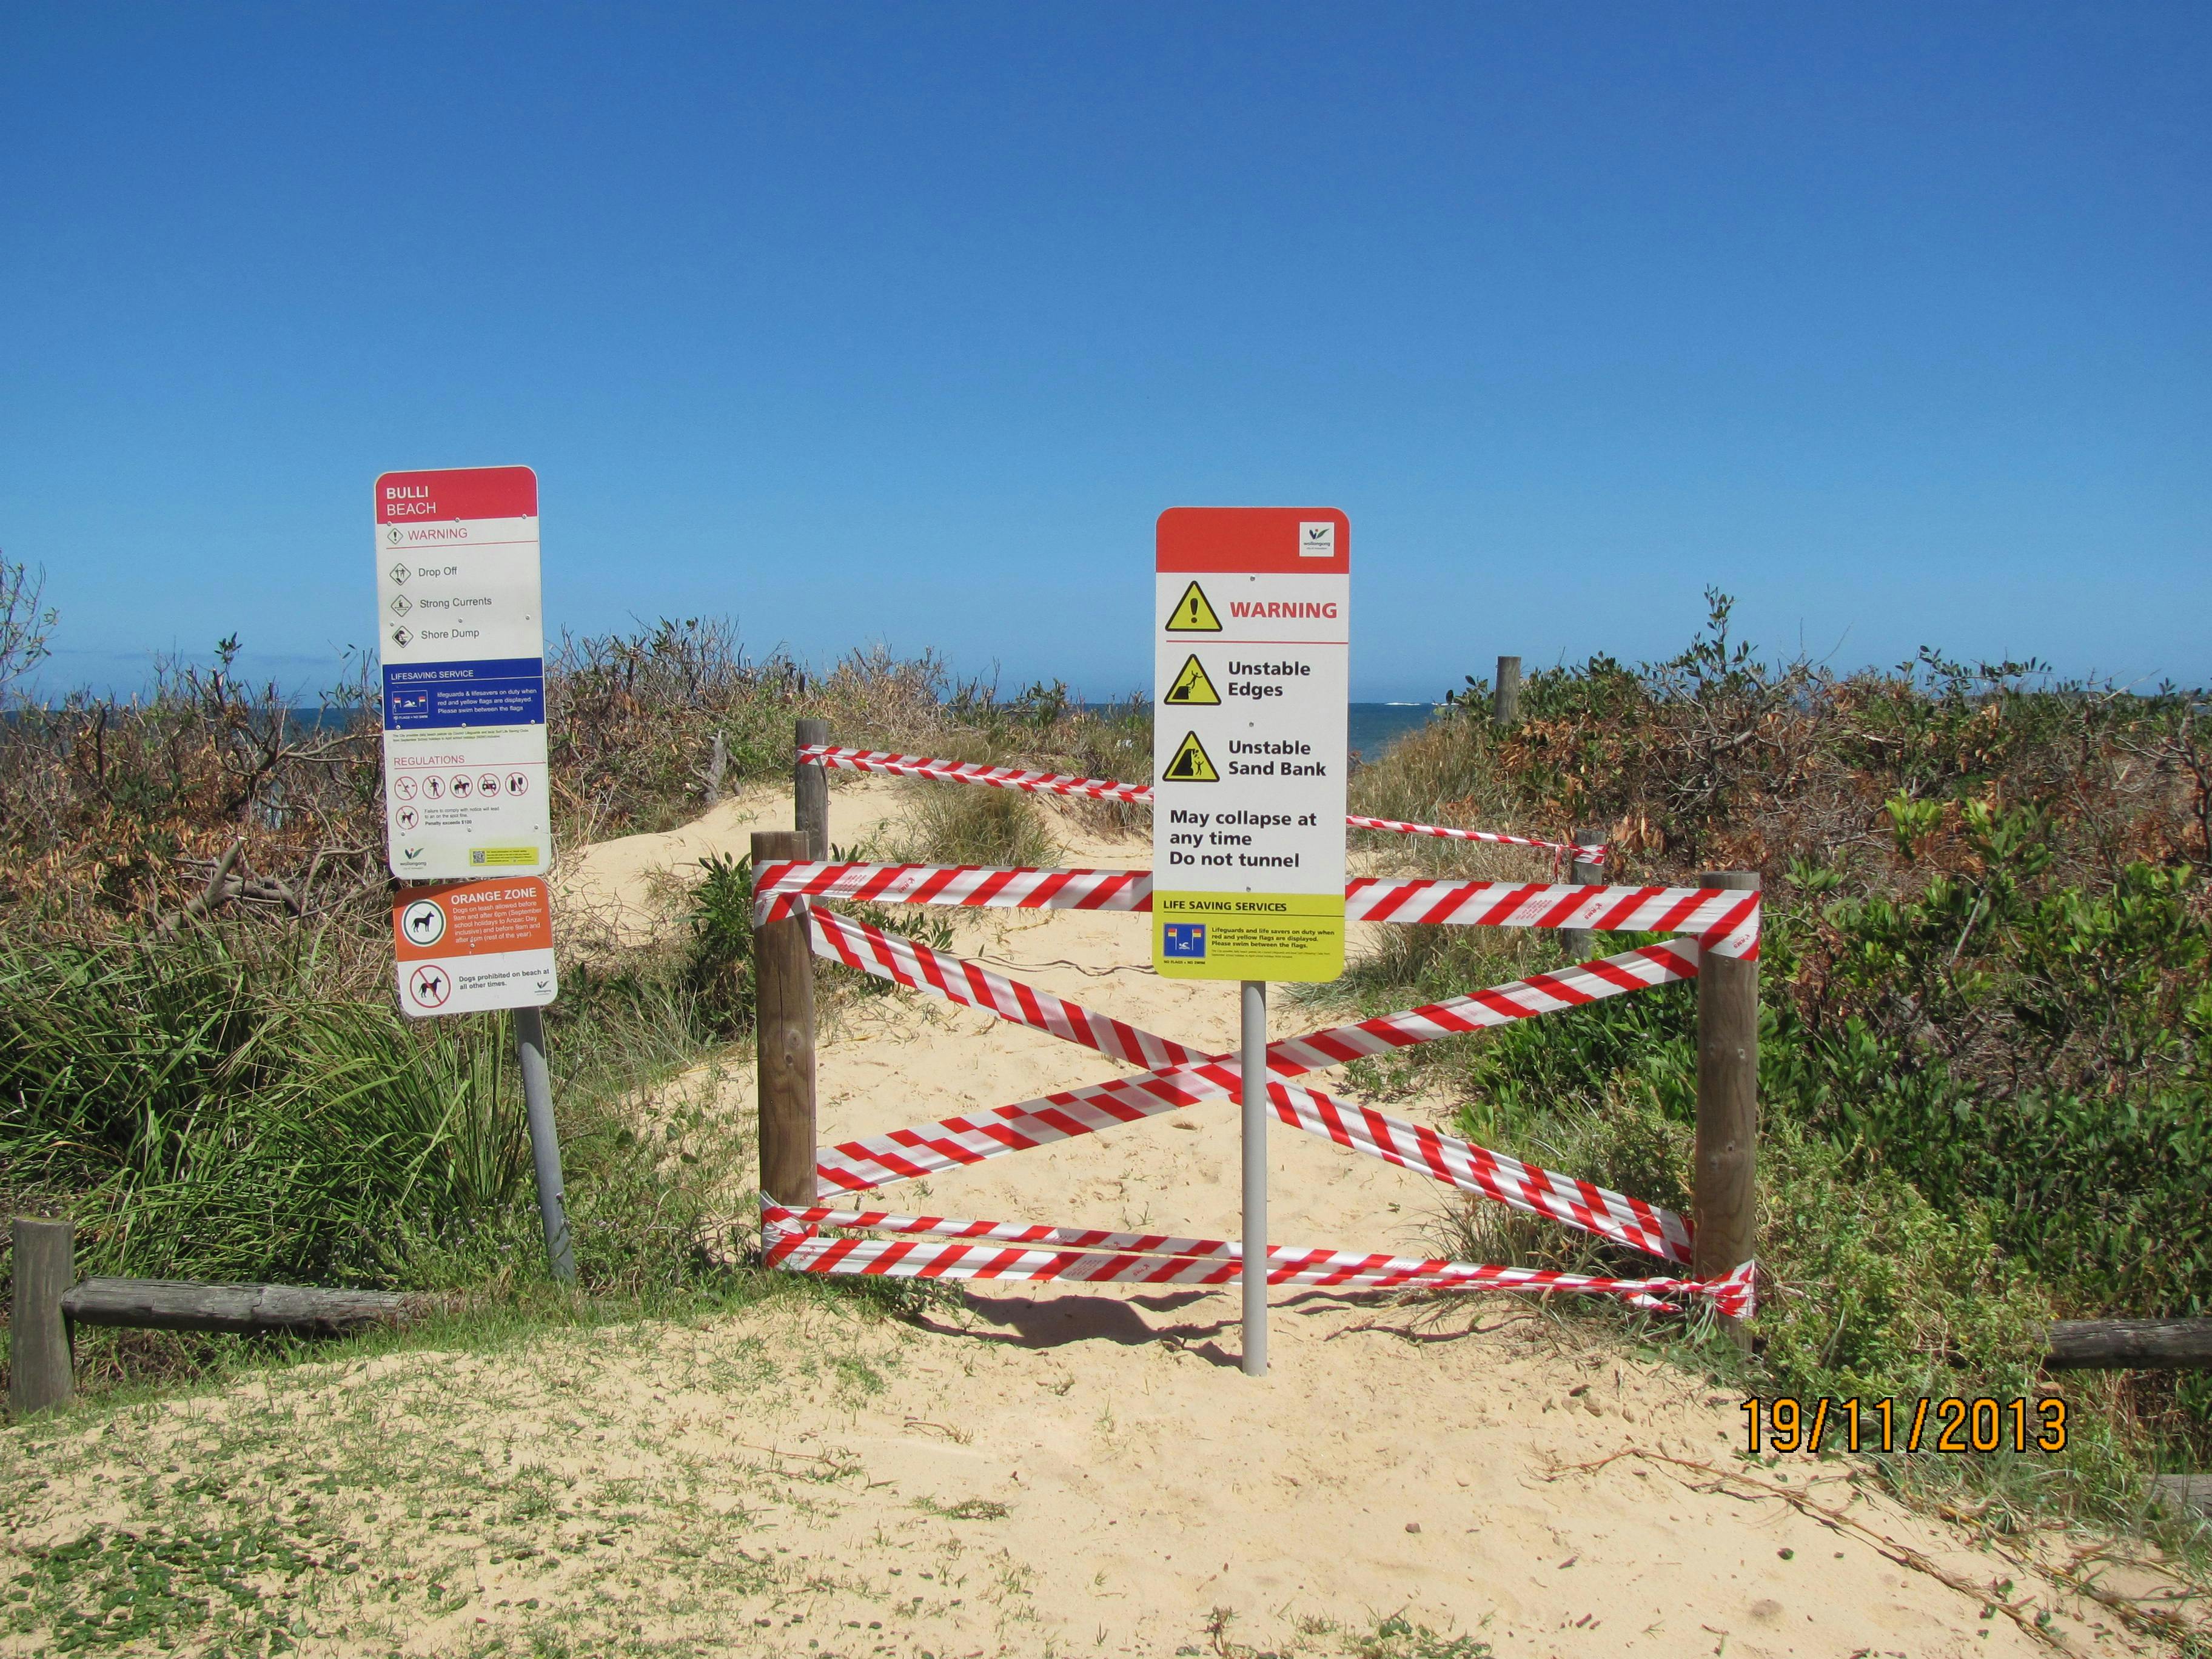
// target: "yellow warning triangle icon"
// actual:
[[1193, 613], [1191, 685], [1191, 763]]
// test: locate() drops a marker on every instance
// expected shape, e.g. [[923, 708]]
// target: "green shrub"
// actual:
[[1987, 994], [1872, 1290], [2001, 1038], [719, 970]]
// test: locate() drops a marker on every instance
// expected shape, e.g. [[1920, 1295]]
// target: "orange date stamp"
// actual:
[[1952, 1425]]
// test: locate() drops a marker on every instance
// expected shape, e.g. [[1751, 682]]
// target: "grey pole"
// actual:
[[1255, 1064], [545, 1142]]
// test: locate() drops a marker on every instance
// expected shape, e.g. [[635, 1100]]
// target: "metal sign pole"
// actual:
[[544, 1143], [1254, 1065]]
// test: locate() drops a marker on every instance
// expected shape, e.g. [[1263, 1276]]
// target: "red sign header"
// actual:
[[465, 492], [1291, 541]]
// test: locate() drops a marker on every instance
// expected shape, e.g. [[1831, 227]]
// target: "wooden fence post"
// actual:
[[783, 993], [718, 768], [810, 792], [1724, 1199], [46, 1267], [1505, 695], [1580, 943]]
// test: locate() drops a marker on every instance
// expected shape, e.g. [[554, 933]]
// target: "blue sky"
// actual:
[[901, 323]]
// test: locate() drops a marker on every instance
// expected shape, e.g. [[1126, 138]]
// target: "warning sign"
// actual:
[[462, 646], [1191, 764], [1248, 814], [463, 947], [1192, 686], [1192, 613]]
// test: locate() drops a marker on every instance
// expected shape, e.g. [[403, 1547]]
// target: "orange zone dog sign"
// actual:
[[466, 946]]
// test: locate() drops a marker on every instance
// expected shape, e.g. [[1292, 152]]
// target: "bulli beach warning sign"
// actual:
[[1250, 680], [464, 947], [462, 639]]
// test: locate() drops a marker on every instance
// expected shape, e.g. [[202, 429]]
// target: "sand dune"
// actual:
[[1034, 1471]]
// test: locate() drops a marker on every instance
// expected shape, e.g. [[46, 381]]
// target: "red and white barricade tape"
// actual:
[[1140, 794], [1726, 922], [1182, 1076], [909, 962], [959, 1142], [946, 1248], [1591, 855], [995, 777], [775, 885]]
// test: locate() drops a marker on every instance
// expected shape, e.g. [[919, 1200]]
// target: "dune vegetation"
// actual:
[[1984, 1065]]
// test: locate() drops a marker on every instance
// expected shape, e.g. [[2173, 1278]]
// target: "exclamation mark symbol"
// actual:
[[1193, 613]]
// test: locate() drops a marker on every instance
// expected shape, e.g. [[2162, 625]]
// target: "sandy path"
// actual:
[[1294, 1498], [1040, 1471]]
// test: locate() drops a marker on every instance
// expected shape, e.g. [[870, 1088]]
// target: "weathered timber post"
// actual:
[[1723, 1202], [46, 1267], [810, 792], [718, 767], [1580, 942], [1506, 696], [783, 1002]]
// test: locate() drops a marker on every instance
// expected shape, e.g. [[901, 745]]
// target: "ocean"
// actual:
[[1375, 725]]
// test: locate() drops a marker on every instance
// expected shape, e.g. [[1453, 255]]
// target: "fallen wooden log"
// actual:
[[2186, 1494], [167, 1304], [2130, 1344]]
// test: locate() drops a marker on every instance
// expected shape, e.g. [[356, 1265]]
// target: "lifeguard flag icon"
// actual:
[[1185, 938]]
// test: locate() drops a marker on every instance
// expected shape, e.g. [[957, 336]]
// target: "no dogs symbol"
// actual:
[[430, 985], [422, 923]]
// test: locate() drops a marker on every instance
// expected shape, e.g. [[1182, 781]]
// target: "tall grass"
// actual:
[[201, 1111], [956, 824]]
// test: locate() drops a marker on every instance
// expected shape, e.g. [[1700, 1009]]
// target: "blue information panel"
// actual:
[[425, 696]]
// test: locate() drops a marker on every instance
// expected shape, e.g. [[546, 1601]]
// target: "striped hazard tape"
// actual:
[[775, 886], [1726, 922], [918, 967], [1056, 783], [1721, 921], [1593, 854], [937, 1247], [1182, 1076], [995, 777]]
